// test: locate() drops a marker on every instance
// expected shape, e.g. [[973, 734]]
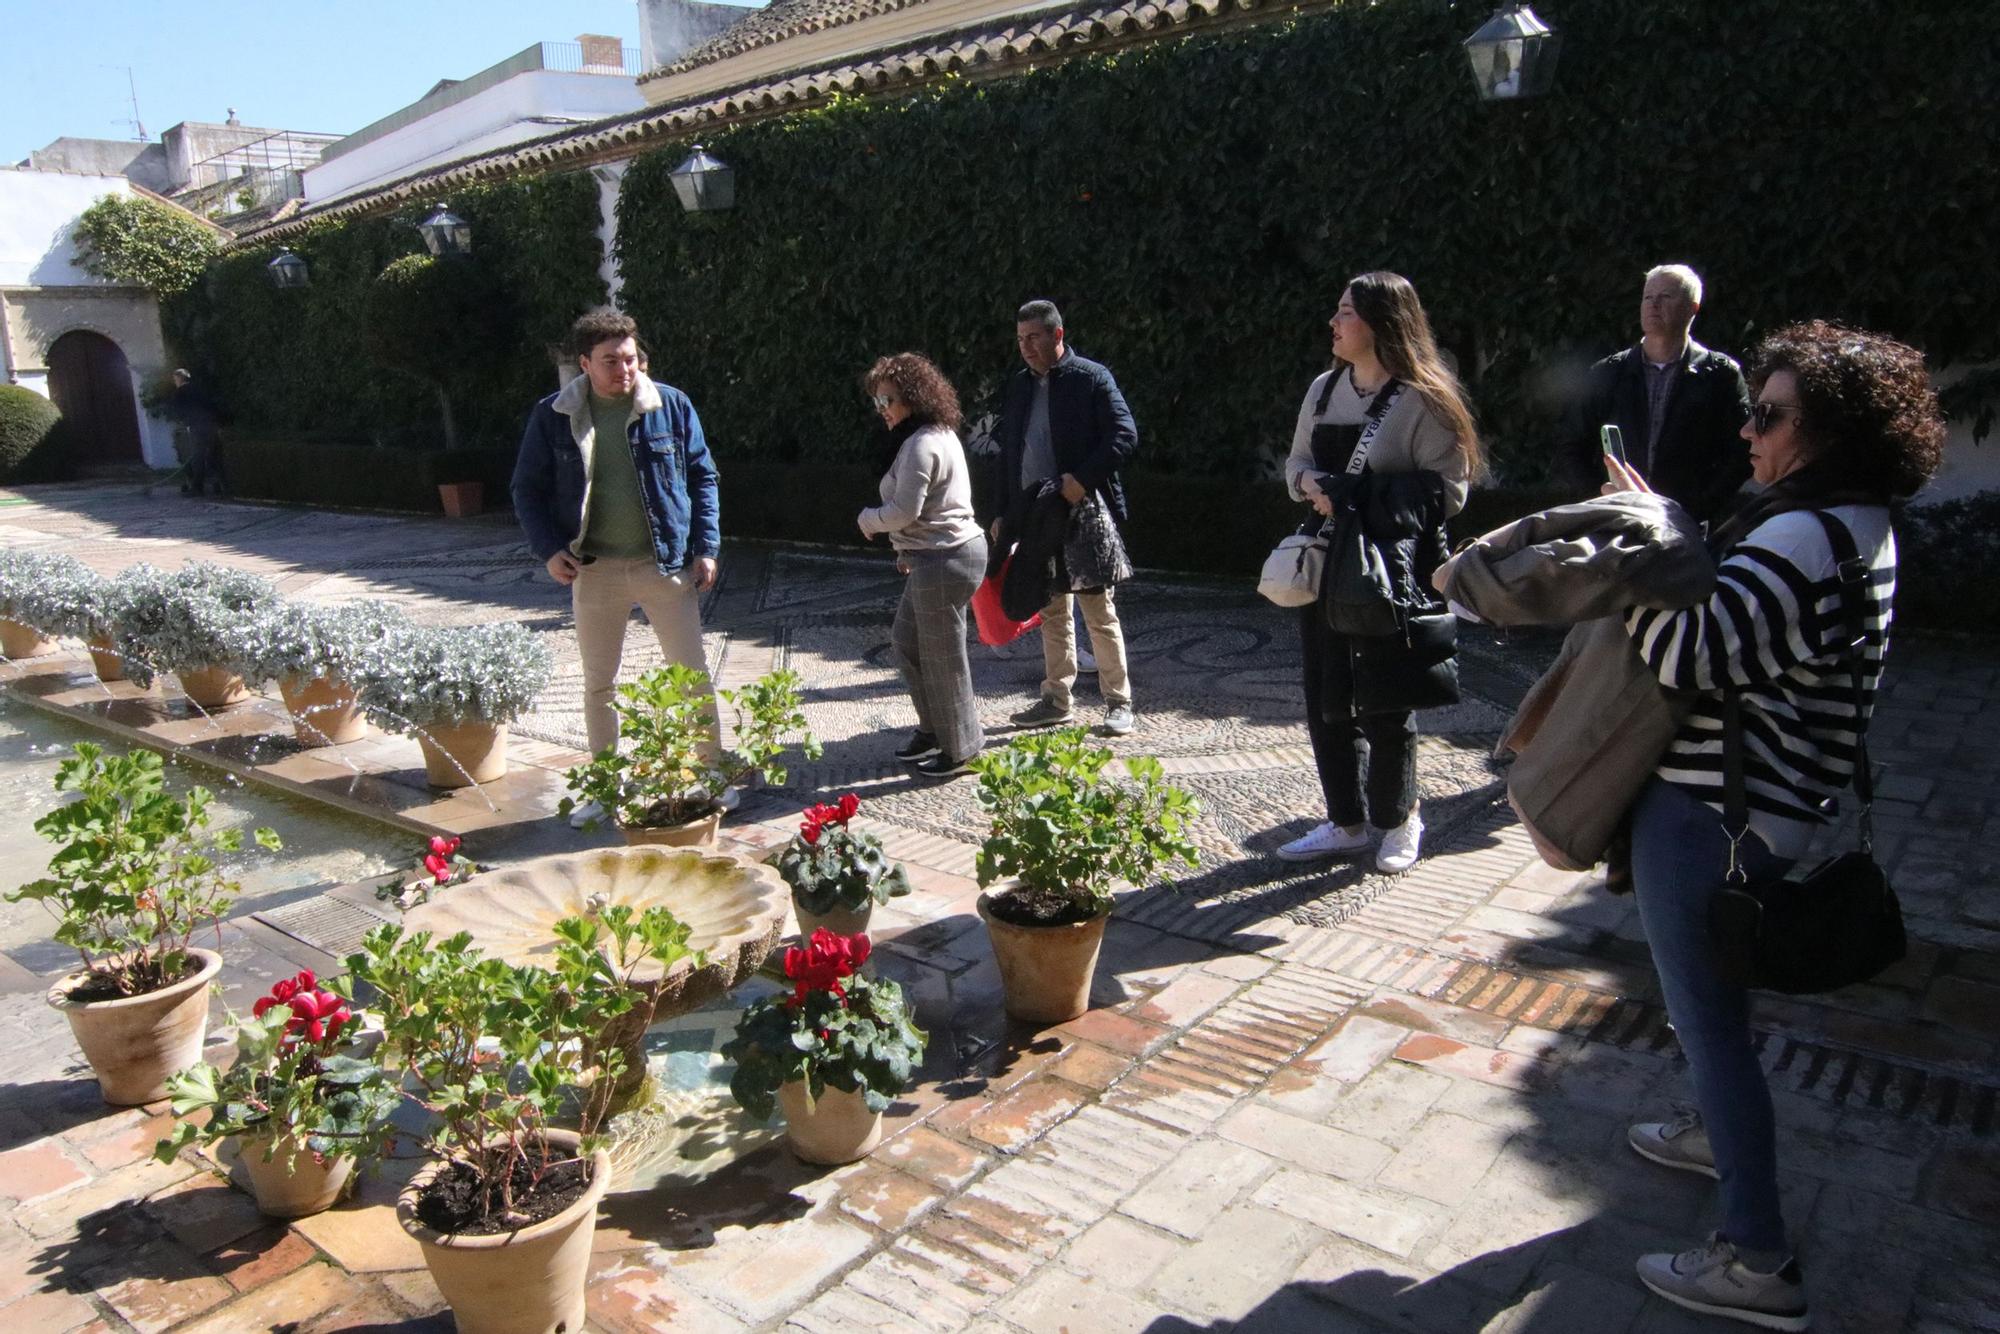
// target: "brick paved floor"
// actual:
[[1318, 1100]]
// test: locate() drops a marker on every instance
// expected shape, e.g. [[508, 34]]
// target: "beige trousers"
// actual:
[[1107, 642], [602, 597]]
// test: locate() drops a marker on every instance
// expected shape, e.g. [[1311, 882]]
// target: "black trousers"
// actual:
[[1367, 762]]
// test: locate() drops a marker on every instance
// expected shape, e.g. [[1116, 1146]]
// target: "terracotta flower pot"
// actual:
[[696, 833], [1045, 971], [293, 1182], [23, 641], [104, 661], [135, 1042], [462, 499], [525, 1282], [840, 921], [213, 687], [324, 711], [479, 748], [837, 1127]]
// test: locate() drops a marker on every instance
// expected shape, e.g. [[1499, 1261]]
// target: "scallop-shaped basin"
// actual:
[[736, 911]]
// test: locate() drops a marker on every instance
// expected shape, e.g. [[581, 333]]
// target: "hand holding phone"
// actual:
[[1613, 441]]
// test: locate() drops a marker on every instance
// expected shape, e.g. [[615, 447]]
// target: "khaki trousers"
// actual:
[[602, 598], [1107, 642]]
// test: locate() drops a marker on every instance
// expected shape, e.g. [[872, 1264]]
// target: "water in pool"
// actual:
[[322, 846]]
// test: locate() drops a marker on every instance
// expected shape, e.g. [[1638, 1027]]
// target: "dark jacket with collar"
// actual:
[[1700, 458], [1090, 427], [677, 476]]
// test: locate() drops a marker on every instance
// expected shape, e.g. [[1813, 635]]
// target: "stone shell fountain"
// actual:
[[736, 911]]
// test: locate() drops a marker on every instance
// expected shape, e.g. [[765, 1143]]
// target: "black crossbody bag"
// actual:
[[1839, 923]]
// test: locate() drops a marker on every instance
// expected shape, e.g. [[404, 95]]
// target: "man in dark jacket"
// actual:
[[616, 492], [1062, 418], [190, 408], [1680, 406]]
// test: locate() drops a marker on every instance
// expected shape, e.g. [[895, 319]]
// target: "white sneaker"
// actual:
[[584, 814], [731, 798], [1328, 840], [1086, 662], [1399, 845], [1713, 1280]]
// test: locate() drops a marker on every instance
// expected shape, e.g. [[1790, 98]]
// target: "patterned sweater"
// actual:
[[1773, 630]]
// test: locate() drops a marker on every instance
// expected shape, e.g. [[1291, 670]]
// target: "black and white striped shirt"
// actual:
[[1772, 628]]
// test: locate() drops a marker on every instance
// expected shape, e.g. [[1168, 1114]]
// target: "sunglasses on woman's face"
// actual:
[[882, 401], [1765, 415]]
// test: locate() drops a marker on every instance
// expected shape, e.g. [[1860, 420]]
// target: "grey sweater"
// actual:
[[926, 495]]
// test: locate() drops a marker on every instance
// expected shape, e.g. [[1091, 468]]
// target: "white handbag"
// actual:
[[1292, 571]]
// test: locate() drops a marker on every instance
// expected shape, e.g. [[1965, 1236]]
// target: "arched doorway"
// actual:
[[91, 382]]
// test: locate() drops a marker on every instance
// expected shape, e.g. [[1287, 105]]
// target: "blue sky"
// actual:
[[306, 65]]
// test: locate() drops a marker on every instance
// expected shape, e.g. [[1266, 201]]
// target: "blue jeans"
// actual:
[[1679, 858]]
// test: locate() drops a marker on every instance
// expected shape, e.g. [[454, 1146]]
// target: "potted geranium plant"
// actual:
[[837, 875], [832, 1052], [182, 623], [134, 878], [314, 652], [302, 1105], [496, 1052], [1063, 833], [456, 688], [664, 780]]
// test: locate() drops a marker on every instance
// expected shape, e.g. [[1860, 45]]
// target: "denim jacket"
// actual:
[[677, 477]]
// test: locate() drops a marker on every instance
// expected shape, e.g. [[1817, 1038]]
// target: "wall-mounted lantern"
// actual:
[[288, 270], [446, 235], [704, 183], [1513, 54]]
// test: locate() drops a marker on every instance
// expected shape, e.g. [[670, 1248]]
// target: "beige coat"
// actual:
[[1590, 732]]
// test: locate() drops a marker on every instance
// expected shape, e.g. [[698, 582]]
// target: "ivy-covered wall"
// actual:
[[1195, 207], [302, 362]]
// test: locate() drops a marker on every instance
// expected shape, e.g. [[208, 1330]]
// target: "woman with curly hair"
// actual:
[[926, 511], [1842, 422]]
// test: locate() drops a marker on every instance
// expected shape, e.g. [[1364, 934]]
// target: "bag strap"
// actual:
[[1854, 575], [1378, 411]]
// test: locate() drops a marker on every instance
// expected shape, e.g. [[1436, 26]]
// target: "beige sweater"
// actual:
[[1411, 439], [926, 495]]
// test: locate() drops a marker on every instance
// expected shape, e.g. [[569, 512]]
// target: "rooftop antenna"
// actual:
[[138, 126]]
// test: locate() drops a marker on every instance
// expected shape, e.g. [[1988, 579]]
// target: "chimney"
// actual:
[[601, 55], [232, 118]]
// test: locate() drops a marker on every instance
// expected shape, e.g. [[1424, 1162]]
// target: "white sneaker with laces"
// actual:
[[584, 814], [1327, 840], [1086, 662], [1679, 1142], [1399, 845], [1713, 1280], [731, 798]]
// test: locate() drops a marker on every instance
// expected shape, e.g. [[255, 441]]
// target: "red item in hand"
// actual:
[[995, 626]]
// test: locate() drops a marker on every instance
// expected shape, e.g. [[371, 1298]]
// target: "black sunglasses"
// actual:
[[1762, 415]]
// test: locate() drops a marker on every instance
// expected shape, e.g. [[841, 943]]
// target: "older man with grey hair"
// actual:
[[1679, 406]]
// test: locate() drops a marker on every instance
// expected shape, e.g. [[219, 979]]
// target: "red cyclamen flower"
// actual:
[[444, 847], [826, 959]]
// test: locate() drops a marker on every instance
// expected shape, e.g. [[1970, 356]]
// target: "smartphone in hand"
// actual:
[[1613, 441]]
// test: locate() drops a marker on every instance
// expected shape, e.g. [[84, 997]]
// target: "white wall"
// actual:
[[37, 209], [490, 119]]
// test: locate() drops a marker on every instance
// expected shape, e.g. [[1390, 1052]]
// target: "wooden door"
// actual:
[[91, 383]]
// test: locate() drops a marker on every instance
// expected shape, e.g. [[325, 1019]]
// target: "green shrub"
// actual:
[[31, 436], [133, 240], [1945, 558]]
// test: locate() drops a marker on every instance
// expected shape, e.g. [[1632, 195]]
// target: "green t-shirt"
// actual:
[[616, 524]]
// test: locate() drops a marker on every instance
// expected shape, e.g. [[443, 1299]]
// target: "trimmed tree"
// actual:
[[30, 436], [130, 239], [432, 319]]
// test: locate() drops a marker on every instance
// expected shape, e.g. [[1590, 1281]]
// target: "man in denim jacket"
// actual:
[[620, 527]]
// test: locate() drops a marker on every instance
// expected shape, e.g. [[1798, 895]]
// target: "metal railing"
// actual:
[[557, 57]]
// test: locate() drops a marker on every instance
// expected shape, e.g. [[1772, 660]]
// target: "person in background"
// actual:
[[616, 492], [1677, 404], [1063, 418], [1386, 366], [191, 408], [926, 513], [1843, 423]]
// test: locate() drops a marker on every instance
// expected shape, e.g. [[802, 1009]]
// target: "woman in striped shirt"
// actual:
[[1842, 422]]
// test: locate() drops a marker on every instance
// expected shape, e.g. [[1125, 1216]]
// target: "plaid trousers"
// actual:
[[928, 640]]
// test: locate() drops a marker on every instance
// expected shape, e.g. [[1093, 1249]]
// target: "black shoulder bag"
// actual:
[[1840, 923]]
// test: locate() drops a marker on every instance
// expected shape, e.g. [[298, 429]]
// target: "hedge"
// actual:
[[32, 438], [350, 475], [1196, 205], [281, 362]]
